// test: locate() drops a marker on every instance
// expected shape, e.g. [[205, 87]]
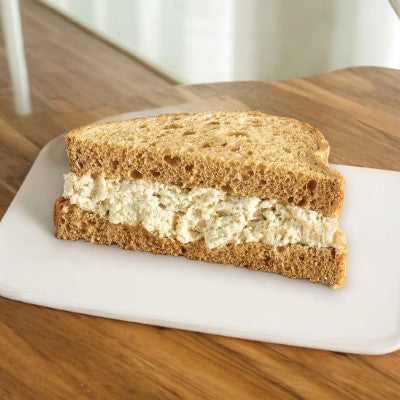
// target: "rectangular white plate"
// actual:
[[361, 317]]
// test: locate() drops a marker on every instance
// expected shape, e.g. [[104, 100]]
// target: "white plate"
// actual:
[[361, 317]]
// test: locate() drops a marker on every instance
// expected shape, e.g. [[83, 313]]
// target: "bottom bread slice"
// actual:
[[321, 265]]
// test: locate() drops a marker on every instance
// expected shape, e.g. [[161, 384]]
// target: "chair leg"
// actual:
[[14, 44]]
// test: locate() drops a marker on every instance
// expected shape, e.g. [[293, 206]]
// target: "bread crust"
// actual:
[[320, 265], [265, 156]]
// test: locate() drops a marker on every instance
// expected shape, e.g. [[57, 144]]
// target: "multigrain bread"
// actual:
[[243, 153], [276, 166], [319, 265]]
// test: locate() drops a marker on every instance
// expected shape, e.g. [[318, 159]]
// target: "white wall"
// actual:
[[213, 40]]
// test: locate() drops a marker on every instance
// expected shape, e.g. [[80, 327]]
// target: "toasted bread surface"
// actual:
[[243, 153]]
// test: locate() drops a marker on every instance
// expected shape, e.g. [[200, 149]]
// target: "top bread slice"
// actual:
[[242, 153]]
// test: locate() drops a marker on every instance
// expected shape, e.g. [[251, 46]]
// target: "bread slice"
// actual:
[[242, 155], [319, 265]]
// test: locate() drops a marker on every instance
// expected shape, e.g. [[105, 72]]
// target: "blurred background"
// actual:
[[196, 41]]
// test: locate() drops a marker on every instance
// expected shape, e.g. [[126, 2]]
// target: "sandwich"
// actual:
[[242, 188]]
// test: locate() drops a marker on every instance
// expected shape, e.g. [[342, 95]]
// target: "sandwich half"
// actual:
[[241, 188]]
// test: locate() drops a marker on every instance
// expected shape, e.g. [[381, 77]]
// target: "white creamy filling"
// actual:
[[205, 214]]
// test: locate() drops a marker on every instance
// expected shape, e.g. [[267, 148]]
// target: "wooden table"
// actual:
[[46, 354]]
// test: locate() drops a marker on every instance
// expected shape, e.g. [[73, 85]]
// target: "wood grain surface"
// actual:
[[50, 354]]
